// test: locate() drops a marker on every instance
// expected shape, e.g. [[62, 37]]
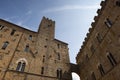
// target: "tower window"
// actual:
[[111, 59], [5, 45], [1, 27], [27, 48], [59, 73], [21, 66], [42, 70], [108, 23], [13, 31], [102, 72], [58, 45], [99, 38], [118, 3], [93, 76], [43, 58], [30, 37], [58, 56]]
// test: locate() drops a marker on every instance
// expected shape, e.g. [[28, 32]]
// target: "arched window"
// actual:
[[21, 66], [59, 73], [18, 66], [5, 45]]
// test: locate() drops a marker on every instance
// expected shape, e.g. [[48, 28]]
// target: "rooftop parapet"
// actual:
[[93, 24]]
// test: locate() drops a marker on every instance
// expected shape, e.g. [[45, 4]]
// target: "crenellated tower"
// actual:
[[28, 55]]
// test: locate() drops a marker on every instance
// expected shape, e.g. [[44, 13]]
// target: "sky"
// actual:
[[73, 18]]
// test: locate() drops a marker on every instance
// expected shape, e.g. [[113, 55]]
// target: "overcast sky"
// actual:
[[73, 17]]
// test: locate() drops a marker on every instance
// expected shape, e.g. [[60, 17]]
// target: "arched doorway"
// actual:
[[75, 76]]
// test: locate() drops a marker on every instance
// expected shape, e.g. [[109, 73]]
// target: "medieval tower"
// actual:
[[29, 55]]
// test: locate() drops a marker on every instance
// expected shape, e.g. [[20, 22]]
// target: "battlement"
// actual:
[[93, 24]]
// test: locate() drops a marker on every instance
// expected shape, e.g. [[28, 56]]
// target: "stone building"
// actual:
[[99, 57], [29, 55]]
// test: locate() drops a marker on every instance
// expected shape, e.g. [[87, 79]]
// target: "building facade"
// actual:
[[99, 57], [29, 55]]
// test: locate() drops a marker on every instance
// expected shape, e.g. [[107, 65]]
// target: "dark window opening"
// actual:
[[111, 59], [46, 39], [108, 23], [5, 45], [59, 73], [102, 72], [58, 56], [13, 31], [99, 38], [1, 27], [93, 76], [26, 48], [58, 46], [42, 70], [18, 66], [30, 37], [45, 46], [118, 3], [43, 59], [21, 66]]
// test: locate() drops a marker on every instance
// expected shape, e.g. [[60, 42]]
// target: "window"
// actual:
[[108, 23], [27, 48], [1, 27], [59, 73], [42, 70], [30, 37], [13, 31], [58, 56], [111, 59], [43, 59], [5, 45], [102, 72], [58, 45], [93, 76], [21, 66], [99, 38], [92, 49], [118, 3]]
